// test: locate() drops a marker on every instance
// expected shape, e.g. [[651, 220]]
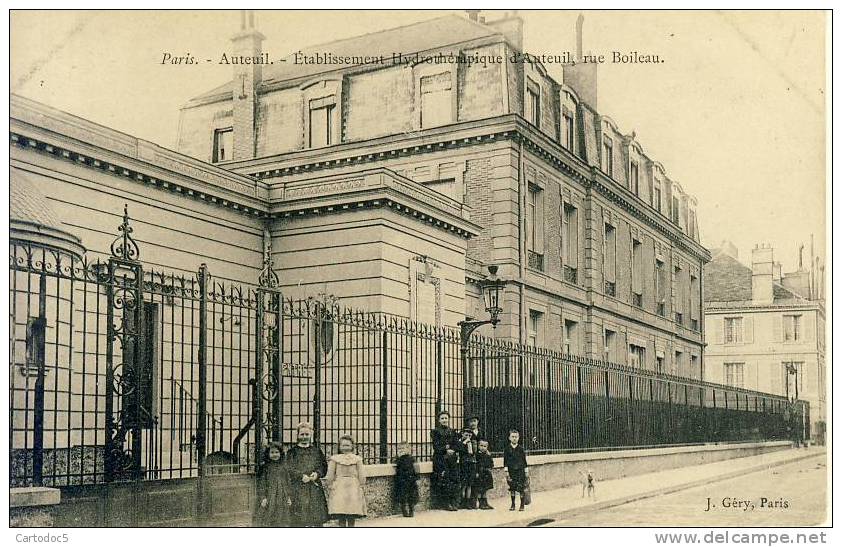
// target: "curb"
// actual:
[[574, 511]]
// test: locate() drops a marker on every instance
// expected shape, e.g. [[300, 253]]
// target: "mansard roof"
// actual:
[[422, 36], [728, 280]]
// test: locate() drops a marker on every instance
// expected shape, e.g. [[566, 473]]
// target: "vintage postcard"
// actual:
[[417, 268]]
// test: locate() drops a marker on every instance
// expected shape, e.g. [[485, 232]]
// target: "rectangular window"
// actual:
[[656, 196], [695, 298], [661, 288], [223, 145], [436, 100], [609, 269], [570, 243], [637, 356], [322, 112], [608, 156], [533, 103], [675, 210], [535, 227], [571, 337], [792, 328], [733, 330], [637, 273], [569, 131], [534, 333], [734, 374], [678, 301], [659, 364], [634, 178], [677, 363], [610, 345]]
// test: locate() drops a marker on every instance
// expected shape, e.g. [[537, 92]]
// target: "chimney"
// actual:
[[510, 26], [247, 43], [473, 14], [581, 76], [762, 266]]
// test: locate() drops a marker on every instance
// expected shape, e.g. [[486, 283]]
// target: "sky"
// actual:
[[736, 113]]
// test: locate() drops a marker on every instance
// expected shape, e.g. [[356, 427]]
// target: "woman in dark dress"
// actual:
[[444, 451], [273, 501], [406, 481], [514, 461], [306, 465]]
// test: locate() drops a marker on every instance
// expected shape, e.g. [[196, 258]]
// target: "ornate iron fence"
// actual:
[[119, 372]]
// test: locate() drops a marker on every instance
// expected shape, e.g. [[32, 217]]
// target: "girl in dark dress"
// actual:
[[406, 480], [514, 461], [273, 509], [306, 465], [484, 479], [445, 460], [467, 448]]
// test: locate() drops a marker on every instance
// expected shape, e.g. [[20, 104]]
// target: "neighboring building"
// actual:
[[600, 247], [766, 331]]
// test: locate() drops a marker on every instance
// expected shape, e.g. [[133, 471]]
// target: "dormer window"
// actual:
[[322, 112], [436, 100], [569, 131], [533, 103], [634, 178], [656, 195], [223, 145], [607, 156]]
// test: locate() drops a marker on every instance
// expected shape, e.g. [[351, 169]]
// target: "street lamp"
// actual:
[[492, 286], [791, 369]]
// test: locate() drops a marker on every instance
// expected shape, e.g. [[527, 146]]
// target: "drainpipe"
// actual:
[[521, 242]]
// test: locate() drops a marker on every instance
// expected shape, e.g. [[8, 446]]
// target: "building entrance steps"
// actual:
[[568, 501]]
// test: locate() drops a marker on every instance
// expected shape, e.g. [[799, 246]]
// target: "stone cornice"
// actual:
[[511, 127], [387, 189]]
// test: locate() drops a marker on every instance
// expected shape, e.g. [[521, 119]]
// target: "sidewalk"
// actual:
[[566, 502]]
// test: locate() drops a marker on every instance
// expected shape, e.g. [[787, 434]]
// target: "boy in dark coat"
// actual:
[[406, 480], [514, 461], [484, 480]]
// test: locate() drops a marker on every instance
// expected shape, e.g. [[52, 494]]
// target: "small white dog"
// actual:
[[588, 483]]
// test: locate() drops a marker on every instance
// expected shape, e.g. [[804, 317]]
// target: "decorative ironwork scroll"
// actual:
[[124, 412]]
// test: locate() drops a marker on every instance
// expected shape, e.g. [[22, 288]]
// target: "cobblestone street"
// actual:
[[802, 485]]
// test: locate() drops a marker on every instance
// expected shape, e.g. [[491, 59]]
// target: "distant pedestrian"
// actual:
[[306, 465], [517, 471], [406, 480], [484, 480], [273, 506], [444, 441], [345, 479]]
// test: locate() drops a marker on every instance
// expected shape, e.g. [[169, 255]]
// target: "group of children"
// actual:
[[462, 465], [291, 486], [303, 488]]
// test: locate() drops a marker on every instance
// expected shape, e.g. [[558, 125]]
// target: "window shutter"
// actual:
[[565, 236], [777, 328], [748, 325], [539, 222], [718, 326]]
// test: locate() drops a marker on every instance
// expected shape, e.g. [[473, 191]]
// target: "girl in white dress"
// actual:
[[345, 479]]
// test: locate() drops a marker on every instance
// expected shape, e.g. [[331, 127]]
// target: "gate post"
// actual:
[[38, 337], [201, 419], [124, 291]]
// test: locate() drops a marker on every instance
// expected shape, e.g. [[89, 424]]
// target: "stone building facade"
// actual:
[[766, 329], [599, 246]]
